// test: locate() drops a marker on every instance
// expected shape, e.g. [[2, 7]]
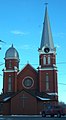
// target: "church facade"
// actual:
[[28, 91]]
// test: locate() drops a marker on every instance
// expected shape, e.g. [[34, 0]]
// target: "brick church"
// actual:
[[27, 91]]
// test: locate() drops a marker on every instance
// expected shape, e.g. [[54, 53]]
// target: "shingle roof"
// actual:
[[5, 97], [40, 96]]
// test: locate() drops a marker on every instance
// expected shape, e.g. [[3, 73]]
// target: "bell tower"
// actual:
[[10, 70], [47, 60]]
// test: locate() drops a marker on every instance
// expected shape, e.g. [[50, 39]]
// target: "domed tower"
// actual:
[[10, 70]]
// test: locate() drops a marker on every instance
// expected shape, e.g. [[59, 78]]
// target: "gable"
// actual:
[[28, 67], [23, 92], [23, 102], [28, 72]]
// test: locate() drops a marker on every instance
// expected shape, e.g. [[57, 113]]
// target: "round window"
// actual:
[[28, 82]]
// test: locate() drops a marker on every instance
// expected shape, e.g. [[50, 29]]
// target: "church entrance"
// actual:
[[24, 100], [24, 104]]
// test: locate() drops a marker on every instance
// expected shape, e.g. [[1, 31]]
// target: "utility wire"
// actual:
[[61, 63], [36, 63], [62, 83], [2, 64]]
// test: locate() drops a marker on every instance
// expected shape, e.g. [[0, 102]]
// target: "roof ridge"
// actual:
[[25, 67]]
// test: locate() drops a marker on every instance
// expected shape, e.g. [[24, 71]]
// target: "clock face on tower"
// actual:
[[46, 50], [28, 82]]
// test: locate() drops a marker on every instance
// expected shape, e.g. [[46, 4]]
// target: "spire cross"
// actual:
[[46, 3]]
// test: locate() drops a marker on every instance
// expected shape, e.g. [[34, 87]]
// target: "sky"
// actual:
[[21, 24]]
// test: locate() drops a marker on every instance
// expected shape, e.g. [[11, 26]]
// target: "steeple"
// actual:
[[47, 40], [47, 61]]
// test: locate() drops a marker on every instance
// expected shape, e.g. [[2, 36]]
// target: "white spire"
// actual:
[[47, 39]]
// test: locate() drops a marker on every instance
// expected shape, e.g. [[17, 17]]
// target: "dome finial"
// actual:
[[12, 45], [11, 53]]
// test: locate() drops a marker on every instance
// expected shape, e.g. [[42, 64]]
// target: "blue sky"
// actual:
[[21, 23]]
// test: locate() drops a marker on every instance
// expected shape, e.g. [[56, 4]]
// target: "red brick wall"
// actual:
[[52, 80], [7, 72], [6, 108], [14, 62], [28, 71], [52, 58], [28, 106], [14, 78]]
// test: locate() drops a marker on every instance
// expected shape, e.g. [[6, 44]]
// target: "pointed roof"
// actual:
[[27, 66], [47, 39]]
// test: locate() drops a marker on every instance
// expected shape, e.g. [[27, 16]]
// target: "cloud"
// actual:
[[57, 46], [60, 34], [16, 32], [27, 47]]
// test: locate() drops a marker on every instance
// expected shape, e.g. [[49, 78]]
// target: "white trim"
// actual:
[[5, 99], [12, 58], [10, 70], [47, 68], [52, 93], [41, 98], [54, 65], [31, 85], [42, 52]]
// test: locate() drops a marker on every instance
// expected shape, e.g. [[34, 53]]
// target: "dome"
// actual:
[[11, 53]]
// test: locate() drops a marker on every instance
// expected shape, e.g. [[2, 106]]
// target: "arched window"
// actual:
[[9, 84], [47, 82], [10, 64], [44, 60], [49, 60]]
